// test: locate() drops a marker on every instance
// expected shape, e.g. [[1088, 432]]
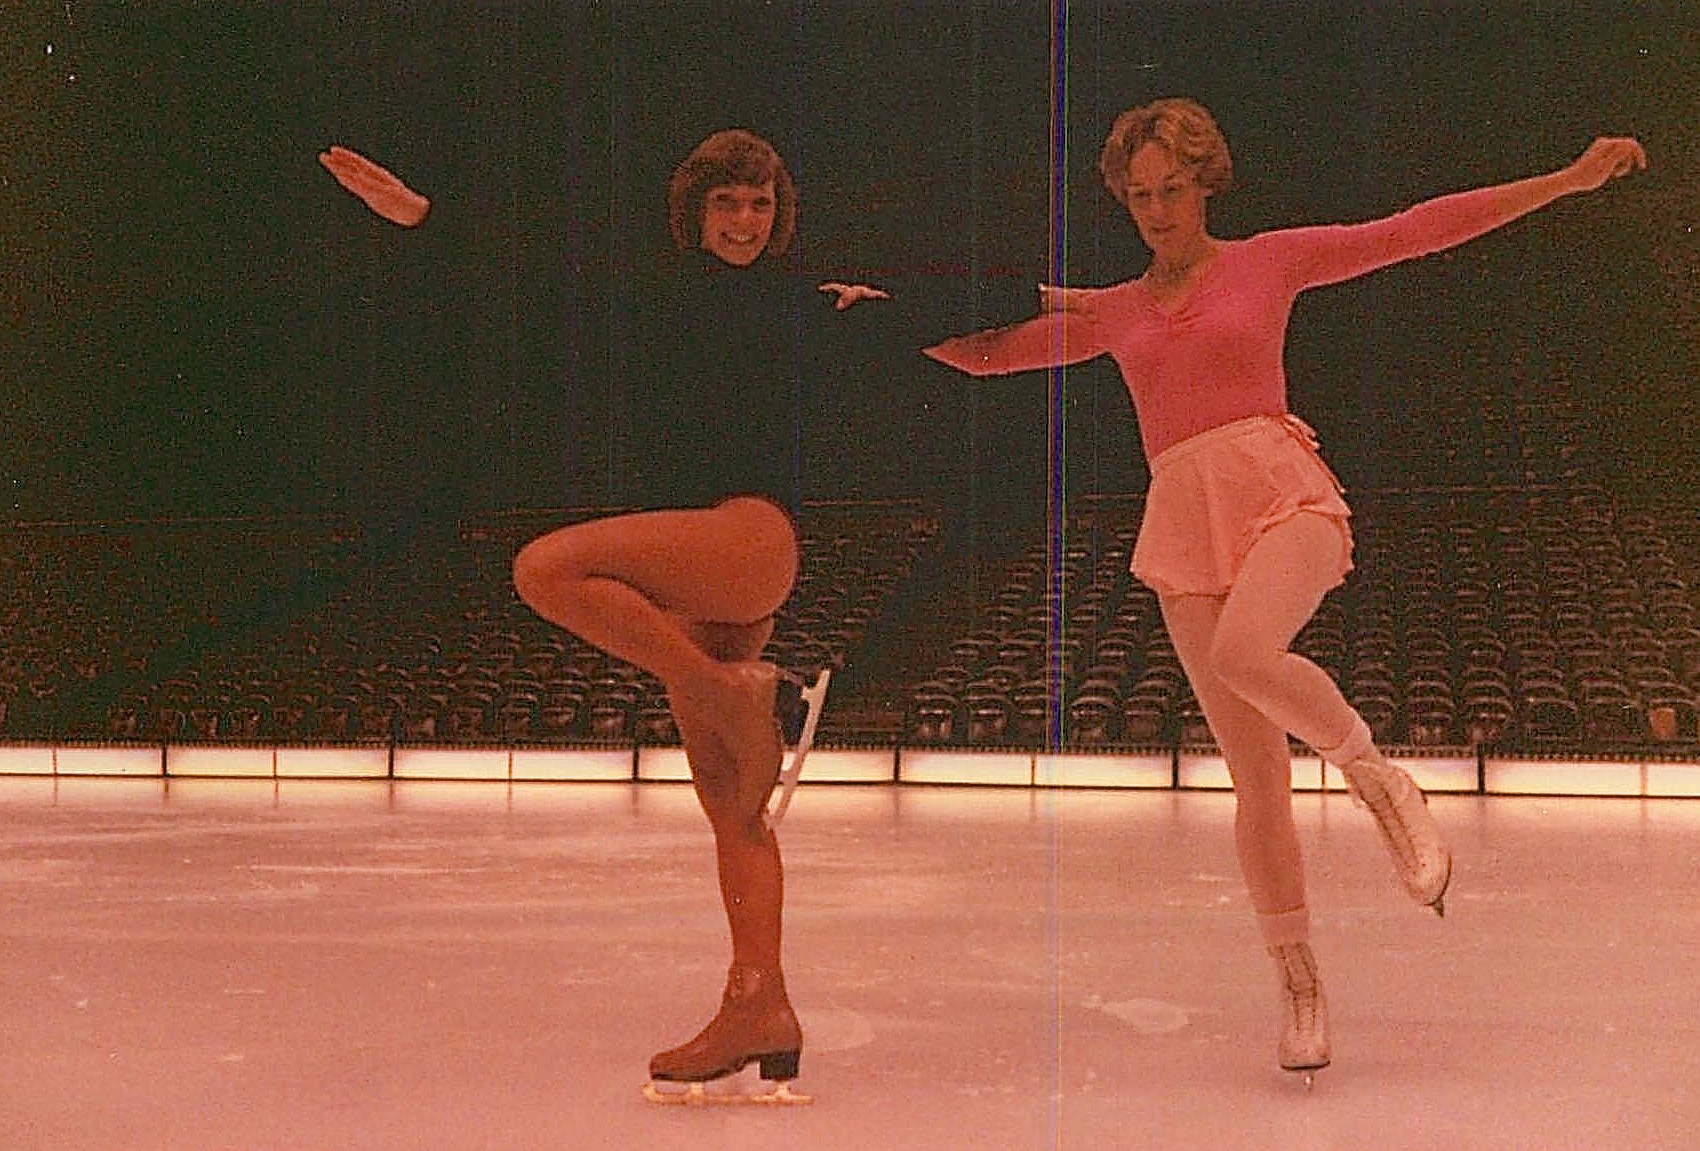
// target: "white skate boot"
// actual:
[[1413, 838], [1304, 1046]]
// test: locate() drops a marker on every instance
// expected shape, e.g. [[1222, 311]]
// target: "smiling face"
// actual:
[[737, 222], [1166, 202]]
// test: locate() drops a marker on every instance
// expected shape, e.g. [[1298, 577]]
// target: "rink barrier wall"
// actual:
[[1442, 771]]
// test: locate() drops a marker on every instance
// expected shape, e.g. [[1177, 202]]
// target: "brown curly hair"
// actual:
[[1182, 126], [732, 156]]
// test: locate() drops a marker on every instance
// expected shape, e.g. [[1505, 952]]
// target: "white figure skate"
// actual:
[[1304, 1046], [1416, 843]]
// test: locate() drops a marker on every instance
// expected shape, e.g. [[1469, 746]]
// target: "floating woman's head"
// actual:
[[1180, 127], [1162, 161], [733, 198]]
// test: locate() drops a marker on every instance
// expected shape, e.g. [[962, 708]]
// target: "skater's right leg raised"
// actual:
[[690, 597], [627, 584]]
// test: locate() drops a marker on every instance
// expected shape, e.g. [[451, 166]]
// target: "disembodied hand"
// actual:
[[850, 295], [376, 186], [1606, 159]]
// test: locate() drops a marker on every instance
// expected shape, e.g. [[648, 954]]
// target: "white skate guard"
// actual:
[[723, 1093]]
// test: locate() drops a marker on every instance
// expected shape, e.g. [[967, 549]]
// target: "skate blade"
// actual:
[[1308, 1073], [698, 1095], [815, 697], [1439, 903]]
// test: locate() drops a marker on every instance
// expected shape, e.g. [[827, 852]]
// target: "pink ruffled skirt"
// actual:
[[1212, 496]]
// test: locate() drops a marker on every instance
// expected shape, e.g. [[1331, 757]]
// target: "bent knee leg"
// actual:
[[1245, 663], [731, 642], [545, 564]]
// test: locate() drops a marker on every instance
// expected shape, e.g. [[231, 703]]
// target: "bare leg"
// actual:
[[690, 596], [1258, 759], [626, 584], [755, 1021], [686, 595], [1280, 586], [752, 879]]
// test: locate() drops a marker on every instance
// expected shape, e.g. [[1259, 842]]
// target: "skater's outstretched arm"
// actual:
[[1330, 254], [376, 186], [1055, 298], [1051, 340]]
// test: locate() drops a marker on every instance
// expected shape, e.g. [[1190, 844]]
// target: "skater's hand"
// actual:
[[377, 186], [850, 295], [1607, 158], [1055, 299]]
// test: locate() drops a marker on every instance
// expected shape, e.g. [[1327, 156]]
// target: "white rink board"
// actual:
[[1673, 779], [109, 761], [663, 764], [221, 762], [1156, 770], [1191, 770], [844, 766], [1562, 777], [26, 760], [333, 762], [607, 766], [452, 763], [1203, 770], [1010, 769]]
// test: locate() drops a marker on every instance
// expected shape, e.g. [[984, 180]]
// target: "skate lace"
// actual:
[[1374, 794], [1304, 999], [1304, 1005]]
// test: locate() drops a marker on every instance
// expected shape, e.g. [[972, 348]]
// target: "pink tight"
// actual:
[[682, 594], [1253, 692]]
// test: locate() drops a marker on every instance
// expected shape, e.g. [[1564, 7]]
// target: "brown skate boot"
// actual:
[[755, 1024]]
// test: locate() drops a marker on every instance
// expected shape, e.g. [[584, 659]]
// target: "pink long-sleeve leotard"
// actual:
[[1216, 355]]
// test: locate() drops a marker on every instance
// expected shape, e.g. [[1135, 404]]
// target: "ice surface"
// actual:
[[215, 966]]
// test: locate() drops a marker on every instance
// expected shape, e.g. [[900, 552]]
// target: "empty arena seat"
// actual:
[[1548, 719], [989, 718]]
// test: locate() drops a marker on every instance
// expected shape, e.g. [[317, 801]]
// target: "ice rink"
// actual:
[[215, 966]]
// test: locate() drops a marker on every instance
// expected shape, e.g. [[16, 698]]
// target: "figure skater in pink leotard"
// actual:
[[1245, 529]]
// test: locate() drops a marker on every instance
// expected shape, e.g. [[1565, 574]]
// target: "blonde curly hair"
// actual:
[[1185, 127]]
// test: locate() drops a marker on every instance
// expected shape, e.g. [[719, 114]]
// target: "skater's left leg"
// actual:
[[1257, 757], [755, 1022], [1280, 585], [733, 789], [1264, 835]]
